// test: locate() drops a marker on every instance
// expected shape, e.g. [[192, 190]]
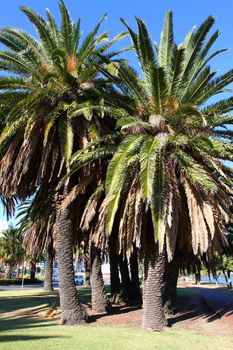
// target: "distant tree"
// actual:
[[11, 249]]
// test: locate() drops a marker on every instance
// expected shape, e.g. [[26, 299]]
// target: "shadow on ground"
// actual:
[[14, 338]]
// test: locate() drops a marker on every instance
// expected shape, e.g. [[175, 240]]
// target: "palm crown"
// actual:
[[48, 84], [169, 159], [11, 246]]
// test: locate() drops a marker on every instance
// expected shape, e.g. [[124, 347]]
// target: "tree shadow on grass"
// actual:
[[16, 323], [24, 308], [12, 338], [23, 301]]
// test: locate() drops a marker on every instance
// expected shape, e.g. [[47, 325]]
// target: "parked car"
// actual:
[[55, 278], [79, 279]]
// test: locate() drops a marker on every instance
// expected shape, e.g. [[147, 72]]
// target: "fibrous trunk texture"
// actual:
[[229, 283], [153, 316], [174, 274], [48, 281], [72, 311], [135, 283], [18, 270], [116, 289], [100, 302], [8, 272], [32, 269], [125, 278], [87, 269]]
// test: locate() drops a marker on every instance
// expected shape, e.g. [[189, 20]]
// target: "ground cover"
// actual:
[[23, 323]]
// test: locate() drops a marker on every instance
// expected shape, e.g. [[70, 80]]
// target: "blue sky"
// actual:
[[186, 15]]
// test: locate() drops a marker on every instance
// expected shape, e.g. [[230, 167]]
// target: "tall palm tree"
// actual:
[[11, 249], [166, 179], [50, 104]]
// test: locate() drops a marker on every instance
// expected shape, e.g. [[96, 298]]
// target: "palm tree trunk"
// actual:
[[153, 317], [17, 270], [87, 269], [135, 283], [125, 278], [100, 302], [116, 289], [32, 269], [48, 281], [8, 272], [72, 311], [229, 283]]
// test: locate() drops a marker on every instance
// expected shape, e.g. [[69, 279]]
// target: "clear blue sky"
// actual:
[[186, 15]]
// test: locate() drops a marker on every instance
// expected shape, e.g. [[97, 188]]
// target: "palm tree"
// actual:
[[36, 222], [166, 179], [50, 104], [11, 249]]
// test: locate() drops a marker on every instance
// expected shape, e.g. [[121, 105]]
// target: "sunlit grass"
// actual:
[[34, 333]]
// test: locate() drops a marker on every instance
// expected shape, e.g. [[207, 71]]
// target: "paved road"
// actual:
[[25, 287], [219, 301]]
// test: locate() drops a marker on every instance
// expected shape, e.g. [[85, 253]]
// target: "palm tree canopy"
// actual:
[[49, 93], [169, 160], [11, 246]]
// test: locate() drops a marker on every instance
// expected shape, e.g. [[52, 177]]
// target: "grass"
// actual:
[[33, 333]]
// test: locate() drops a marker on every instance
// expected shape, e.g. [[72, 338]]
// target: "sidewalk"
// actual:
[[219, 301]]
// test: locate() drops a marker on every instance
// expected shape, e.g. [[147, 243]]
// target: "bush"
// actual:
[[18, 281]]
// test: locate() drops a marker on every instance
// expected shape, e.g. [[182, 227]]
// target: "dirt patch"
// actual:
[[192, 313]]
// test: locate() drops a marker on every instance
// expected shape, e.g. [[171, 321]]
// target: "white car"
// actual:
[[79, 279]]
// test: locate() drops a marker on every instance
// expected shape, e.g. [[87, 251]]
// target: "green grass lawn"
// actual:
[[33, 333]]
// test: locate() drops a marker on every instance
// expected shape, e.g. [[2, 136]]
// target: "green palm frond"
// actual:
[[88, 43], [12, 83], [133, 35], [156, 87], [197, 87], [129, 147], [194, 171], [158, 197], [118, 173], [166, 41], [53, 26], [42, 28], [76, 36], [66, 28], [224, 133], [66, 137], [130, 122], [144, 48], [220, 107], [192, 49], [130, 79], [11, 129], [149, 152], [113, 198], [21, 42], [203, 64], [10, 61], [216, 86], [176, 66]]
